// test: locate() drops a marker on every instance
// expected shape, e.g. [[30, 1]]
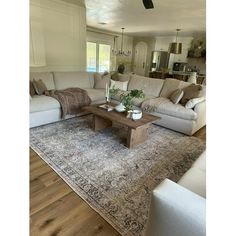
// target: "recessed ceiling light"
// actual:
[[102, 23]]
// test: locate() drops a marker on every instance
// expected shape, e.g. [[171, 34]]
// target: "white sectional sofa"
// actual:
[[173, 116], [45, 109], [180, 209]]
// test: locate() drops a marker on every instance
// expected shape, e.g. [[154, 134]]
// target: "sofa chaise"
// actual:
[[44, 109]]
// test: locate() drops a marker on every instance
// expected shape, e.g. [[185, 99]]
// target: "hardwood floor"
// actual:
[[56, 210]]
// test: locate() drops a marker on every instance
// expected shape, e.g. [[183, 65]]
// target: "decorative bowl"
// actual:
[[136, 114], [120, 108]]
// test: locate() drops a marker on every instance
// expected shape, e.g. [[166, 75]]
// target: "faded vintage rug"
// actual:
[[112, 179]]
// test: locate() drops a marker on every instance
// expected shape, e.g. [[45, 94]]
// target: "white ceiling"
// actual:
[[167, 15]]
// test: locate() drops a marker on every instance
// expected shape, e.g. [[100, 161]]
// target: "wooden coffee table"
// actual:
[[137, 130]]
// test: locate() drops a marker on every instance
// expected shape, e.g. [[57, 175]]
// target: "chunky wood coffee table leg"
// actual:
[[136, 136], [100, 123]]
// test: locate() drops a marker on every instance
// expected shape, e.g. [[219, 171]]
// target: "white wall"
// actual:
[[62, 35]]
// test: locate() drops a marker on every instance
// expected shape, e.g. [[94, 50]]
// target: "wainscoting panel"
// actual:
[[64, 33]]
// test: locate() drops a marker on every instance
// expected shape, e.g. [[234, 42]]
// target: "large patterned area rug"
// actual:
[[114, 180]]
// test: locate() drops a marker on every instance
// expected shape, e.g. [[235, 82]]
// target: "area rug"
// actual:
[[115, 181]]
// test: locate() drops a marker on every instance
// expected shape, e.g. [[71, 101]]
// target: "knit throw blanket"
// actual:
[[151, 105], [72, 100]]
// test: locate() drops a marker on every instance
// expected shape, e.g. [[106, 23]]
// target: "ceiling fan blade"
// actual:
[[148, 4]]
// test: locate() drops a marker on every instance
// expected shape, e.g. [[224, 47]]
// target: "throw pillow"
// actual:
[[119, 85], [176, 96], [115, 77], [100, 81], [192, 91], [32, 91], [39, 87], [193, 102]]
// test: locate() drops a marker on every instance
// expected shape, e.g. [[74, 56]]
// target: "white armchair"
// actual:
[[179, 209]]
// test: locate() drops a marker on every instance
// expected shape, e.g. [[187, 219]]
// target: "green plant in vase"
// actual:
[[127, 99]]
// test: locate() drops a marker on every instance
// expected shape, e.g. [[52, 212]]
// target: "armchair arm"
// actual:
[[200, 107], [176, 211]]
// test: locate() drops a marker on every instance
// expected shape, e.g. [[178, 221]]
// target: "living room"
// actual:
[[118, 125]]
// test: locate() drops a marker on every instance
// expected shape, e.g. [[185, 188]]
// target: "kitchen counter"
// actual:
[[180, 75]]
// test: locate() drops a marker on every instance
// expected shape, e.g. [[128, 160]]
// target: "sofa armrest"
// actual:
[[200, 108], [176, 211]]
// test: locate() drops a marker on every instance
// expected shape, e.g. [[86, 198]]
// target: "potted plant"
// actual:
[[127, 99]]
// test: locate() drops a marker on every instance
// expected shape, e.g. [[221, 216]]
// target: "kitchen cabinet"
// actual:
[[159, 75]]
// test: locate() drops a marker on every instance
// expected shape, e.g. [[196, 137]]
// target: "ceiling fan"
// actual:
[[148, 4]]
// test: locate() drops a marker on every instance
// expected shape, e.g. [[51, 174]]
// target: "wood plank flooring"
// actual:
[[56, 210]]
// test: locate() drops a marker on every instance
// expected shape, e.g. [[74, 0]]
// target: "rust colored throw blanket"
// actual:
[[72, 100]]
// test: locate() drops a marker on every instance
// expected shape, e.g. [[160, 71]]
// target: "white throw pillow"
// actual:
[[119, 85], [193, 102]]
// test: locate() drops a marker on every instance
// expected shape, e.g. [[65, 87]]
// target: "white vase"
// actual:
[[193, 78], [120, 107]]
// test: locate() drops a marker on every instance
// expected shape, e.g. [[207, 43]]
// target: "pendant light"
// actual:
[[120, 52], [176, 48]]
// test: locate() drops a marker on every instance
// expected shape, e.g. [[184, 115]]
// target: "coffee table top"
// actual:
[[120, 117]]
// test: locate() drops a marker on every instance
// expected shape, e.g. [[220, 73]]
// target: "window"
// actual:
[[98, 57], [91, 56], [104, 57]]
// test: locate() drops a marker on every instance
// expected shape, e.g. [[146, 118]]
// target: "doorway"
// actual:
[[140, 58]]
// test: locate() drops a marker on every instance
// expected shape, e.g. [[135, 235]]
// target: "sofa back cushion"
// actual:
[[46, 77], [100, 81], [151, 87], [170, 85], [75, 79]]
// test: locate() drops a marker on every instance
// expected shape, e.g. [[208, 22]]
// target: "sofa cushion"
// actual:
[[117, 95], [151, 87], [193, 102], [39, 86], [136, 101], [31, 89], [43, 103], [170, 85], [192, 91], [100, 80], [194, 180], [76, 79], [200, 163], [96, 94], [46, 77], [119, 85], [176, 96], [165, 106]]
